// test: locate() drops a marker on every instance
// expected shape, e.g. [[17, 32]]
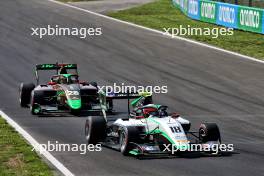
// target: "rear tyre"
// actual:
[[209, 132], [95, 129], [128, 135], [25, 93], [93, 83]]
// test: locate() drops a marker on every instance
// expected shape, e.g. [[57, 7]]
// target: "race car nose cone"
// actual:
[[75, 104]]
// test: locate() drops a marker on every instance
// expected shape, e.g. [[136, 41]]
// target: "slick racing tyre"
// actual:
[[93, 83], [209, 132], [25, 93], [127, 135], [95, 129]]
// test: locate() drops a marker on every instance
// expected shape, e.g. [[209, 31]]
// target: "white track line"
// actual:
[[36, 145], [159, 32]]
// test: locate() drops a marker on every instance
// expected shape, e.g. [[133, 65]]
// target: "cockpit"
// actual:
[[65, 79], [150, 110]]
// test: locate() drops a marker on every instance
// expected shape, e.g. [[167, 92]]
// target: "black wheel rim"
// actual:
[[202, 133]]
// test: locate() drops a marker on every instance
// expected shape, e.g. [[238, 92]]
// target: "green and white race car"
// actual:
[[150, 130]]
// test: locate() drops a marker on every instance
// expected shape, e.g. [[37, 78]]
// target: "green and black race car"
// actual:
[[63, 93]]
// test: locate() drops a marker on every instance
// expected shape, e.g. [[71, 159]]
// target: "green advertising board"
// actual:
[[208, 11], [250, 19]]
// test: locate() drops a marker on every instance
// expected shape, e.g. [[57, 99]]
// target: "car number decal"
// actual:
[[176, 129], [72, 92]]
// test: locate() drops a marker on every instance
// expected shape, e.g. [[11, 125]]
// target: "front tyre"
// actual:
[[25, 93], [127, 135], [95, 129]]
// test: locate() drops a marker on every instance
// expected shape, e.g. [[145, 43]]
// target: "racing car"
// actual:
[[63, 93], [148, 130]]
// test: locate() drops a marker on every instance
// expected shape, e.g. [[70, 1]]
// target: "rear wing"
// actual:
[[121, 96], [55, 67], [137, 97], [109, 97]]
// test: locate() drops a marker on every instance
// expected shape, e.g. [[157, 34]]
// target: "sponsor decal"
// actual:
[[227, 15], [250, 19], [194, 9], [208, 11]]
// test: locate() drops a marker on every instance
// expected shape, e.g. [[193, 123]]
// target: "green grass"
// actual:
[[162, 14], [16, 157]]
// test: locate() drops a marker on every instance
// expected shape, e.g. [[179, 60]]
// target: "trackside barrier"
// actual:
[[224, 14]]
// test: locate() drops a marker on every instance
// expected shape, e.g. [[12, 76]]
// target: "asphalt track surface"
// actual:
[[204, 85], [105, 6]]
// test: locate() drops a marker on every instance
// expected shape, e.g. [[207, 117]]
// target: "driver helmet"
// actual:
[[163, 111], [147, 111], [63, 70], [63, 80]]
